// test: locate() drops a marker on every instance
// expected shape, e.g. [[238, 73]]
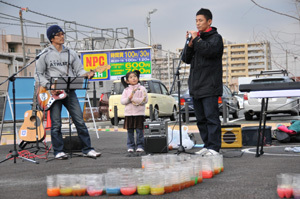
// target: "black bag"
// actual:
[[282, 136]]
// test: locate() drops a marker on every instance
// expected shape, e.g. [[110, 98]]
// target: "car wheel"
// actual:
[[112, 121], [155, 113], [174, 114], [248, 116], [235, 115]]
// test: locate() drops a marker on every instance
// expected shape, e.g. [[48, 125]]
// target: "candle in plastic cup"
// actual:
[[4, 141], [296, 186], [64, 182], [207, 174], [95, 192], [65, 191], [157, 190], [127, 191], [143, 189], [284, 185], [52, 186], [78, 192], [116, 128], [168, 189]]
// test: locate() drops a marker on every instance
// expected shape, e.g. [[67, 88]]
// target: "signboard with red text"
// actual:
[[118, 62]]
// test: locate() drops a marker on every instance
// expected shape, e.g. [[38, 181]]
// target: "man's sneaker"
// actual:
[[201, 152], [92, 154], [211, 152], [130, 150], [61, 156], [140, 150]]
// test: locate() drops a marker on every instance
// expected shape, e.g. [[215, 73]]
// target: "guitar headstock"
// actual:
[[101, 69]]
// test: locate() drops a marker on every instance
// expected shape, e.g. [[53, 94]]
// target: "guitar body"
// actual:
[[32, 121], [45, 99]]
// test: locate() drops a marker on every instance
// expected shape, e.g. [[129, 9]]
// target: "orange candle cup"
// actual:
[[207, 174], [78, 192], [199, 180], [168, 189], [176, 187], [53, 192]]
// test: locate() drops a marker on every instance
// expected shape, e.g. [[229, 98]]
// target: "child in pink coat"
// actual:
[[134, 97]]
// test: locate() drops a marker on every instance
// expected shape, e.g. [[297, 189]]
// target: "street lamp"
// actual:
[[149, 23]]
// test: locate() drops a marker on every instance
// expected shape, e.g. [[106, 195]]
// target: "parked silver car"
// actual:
[[252, 106]]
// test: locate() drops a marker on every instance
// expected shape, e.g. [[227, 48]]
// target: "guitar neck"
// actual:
[[34, 103]]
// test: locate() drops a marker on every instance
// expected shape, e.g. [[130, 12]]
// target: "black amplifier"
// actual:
[[155, 128], [156, 144]]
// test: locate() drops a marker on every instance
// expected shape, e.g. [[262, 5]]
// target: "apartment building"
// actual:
[[244, 60], [11, 56]]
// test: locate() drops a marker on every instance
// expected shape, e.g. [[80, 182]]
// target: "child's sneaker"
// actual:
[[140, 150], [130, 150]]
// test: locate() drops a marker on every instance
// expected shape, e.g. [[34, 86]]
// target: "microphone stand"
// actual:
[[12, 78], [181, 148]]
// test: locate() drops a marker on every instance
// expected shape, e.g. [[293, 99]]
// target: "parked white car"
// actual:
[[252, 106], [240, 100]]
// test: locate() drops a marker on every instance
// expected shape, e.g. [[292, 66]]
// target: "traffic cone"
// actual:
[[48, 125]]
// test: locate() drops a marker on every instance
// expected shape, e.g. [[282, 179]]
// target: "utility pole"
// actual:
[[149, 25], [286, 60], [23, 43]]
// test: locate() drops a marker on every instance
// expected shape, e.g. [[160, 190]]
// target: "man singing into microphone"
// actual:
[[204, 52], [61, 61]]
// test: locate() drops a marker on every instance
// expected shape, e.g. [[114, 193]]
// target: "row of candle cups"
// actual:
[[288, 185], [159, 174]]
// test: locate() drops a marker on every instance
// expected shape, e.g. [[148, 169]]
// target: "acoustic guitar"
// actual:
[[32, 128], [46, 99]]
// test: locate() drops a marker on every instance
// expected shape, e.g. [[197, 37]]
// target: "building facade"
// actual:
[[244, 60], [12, 59]]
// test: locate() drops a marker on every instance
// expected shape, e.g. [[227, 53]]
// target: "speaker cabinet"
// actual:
[[73, 144], [231, 136], [156, 144], [250, 135]]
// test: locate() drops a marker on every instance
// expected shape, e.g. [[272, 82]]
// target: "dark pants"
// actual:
[[72, 105], [131, 144], [208, 121]]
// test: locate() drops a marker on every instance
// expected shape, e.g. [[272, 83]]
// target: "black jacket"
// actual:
[[206, 72]]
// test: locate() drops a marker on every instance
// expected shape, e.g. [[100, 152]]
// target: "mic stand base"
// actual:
[[15, 155]]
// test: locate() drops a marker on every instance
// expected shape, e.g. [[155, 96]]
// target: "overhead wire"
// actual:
[[78, 24]]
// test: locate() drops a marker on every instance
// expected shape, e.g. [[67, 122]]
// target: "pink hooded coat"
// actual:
[[136, 106]]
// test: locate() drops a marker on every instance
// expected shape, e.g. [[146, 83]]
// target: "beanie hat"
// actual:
[[52, 31], [205, 12]]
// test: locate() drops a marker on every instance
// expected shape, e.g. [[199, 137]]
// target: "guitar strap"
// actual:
[[68, 64]]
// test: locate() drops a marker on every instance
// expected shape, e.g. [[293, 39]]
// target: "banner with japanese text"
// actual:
[[116, 63]]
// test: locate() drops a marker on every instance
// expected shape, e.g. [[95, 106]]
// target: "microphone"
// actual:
[[189, 38], [41, 53]]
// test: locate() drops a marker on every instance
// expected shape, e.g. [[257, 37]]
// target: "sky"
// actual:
[[238, 21]]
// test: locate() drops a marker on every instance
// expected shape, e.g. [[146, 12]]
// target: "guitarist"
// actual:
[[61, 61]]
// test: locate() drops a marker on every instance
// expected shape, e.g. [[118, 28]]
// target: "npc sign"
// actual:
[[121, 62]]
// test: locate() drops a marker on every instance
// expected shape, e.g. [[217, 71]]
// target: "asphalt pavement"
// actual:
[[244, 176]]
